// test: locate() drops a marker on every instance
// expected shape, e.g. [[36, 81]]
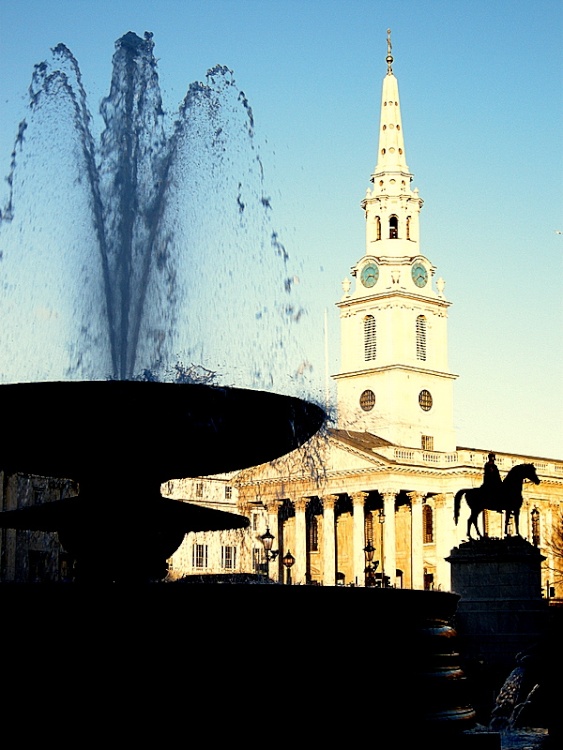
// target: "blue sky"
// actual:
[[481, 97]]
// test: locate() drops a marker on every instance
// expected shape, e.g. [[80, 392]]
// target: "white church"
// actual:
[[371, 500]]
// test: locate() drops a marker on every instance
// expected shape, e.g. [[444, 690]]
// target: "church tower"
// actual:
[[394, 380]]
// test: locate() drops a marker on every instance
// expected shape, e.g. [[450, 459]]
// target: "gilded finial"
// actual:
[[389, 57]]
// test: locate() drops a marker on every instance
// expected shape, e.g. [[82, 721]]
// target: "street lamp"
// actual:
[[288, 561], [371, 567], [267, 540]]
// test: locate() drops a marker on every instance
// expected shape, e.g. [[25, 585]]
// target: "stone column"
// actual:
[[329, 540], [299, 570], [443, 523], [358, 544], [389, 566], [417, 555]]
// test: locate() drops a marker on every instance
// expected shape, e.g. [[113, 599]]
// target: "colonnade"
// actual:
[[443, 539]]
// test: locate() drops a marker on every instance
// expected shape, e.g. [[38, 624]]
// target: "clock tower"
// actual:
[[394, 380]]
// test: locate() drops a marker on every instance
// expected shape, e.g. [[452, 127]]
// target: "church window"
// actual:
[[228, 557], [383, 151], [427, 443], [367, 400], [258, 559], [370, 342], [393, 228], [421, 338], [398, 127], [377, 228], [199, 556], [425, 400], [408, 224], [385, 127], [428, 524], [199, 489]]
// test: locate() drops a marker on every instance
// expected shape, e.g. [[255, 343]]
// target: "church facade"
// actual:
[[371, 500]]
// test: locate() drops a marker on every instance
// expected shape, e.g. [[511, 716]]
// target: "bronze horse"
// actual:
[[508, 498]]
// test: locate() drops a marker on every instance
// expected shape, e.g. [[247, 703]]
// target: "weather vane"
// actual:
[[389, 57]]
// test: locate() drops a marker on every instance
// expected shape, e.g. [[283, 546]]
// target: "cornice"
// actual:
[[384, 368], [390, 294]]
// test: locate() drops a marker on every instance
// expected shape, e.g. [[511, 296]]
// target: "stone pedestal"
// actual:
[[501, 612]]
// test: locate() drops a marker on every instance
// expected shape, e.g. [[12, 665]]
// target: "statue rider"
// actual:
[[492, 482]]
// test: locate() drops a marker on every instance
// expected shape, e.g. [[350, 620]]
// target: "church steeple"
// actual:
[[391, 207], [394, 379]]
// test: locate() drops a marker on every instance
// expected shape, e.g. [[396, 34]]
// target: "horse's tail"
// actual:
[[457, 503]]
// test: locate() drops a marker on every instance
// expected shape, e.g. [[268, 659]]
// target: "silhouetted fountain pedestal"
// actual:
[[129, 438]]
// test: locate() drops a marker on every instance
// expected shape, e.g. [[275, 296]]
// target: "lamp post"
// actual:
[[371, 567], [267, 540], [288, 561]]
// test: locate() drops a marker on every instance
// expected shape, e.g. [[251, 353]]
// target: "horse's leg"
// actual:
[[476, 522], [473, 518], [516, 514]]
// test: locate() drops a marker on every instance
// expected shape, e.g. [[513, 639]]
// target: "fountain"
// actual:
[[94, 334], [145, 263]]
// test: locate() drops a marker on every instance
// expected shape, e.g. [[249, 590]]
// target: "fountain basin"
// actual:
[[131, 437], [85, 429]]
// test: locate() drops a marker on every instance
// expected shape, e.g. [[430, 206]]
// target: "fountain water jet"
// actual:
[[157, 239]]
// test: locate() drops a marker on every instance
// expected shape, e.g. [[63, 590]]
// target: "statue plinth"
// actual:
[[501, 611]]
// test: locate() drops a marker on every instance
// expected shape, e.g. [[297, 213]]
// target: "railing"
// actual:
[[468, 458]]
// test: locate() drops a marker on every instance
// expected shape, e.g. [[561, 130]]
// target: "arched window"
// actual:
[[370, 342], [428, 524], [393, 228], [377, 228], [408, 227], [421, 338]]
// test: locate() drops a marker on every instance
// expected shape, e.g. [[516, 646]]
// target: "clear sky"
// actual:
[[481, 98]]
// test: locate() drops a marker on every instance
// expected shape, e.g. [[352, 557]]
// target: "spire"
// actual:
[[392, 208], [391, 154]]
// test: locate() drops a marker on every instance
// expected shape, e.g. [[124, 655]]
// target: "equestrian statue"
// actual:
[[496, 494]]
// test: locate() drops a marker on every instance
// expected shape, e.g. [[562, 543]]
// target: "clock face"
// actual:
[[369, 275], [419, 275]]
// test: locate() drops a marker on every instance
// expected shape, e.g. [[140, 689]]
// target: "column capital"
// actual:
[[272, 506], [329, 501], [415, 497], [358, 498], [389, 494], [300, 503], [441, 499]]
